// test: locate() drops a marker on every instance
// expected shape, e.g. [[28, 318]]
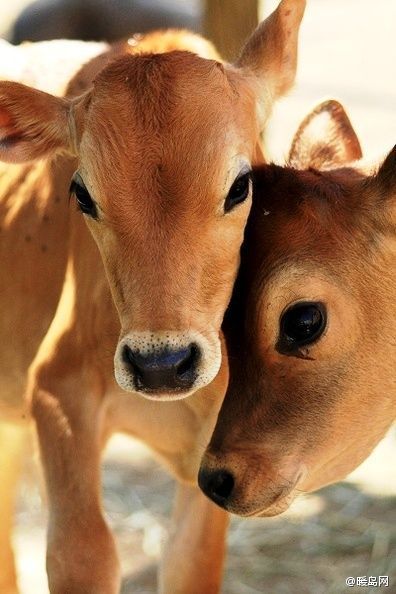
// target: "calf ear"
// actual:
[[270, 54], [33, 124], [325, 138]]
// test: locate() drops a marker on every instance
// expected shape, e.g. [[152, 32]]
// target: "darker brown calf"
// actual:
[[312, 325]]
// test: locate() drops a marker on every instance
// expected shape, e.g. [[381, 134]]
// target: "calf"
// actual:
[[156, 149], [311, 328]]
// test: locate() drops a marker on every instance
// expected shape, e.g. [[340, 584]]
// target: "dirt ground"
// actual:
[[347, 51]]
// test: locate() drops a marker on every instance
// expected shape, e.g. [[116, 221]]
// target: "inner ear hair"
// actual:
[[324, 139], [33, 124], [270, 54]]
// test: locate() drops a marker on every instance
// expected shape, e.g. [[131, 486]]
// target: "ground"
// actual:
[[347, 52], [343, 530]]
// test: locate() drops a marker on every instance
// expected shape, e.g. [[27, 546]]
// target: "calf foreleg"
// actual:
[[81, 555], [193, 557], [12, 439]]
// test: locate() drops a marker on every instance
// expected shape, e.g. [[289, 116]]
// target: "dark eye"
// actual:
[[239, 191], [301, 324], [84, 200]]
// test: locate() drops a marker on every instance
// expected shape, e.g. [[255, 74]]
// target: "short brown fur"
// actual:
[[296, 420], [158, 140]]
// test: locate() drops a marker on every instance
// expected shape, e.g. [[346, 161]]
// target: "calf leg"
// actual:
[[193, 558], [12, 439], [81, 554]]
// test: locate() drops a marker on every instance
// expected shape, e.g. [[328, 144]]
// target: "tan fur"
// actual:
[[297, 421], [159, 140]]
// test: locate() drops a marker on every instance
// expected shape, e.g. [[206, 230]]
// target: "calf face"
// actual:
[[165, 145], [311, 327]]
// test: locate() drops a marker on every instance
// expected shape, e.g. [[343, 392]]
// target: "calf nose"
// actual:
[[218, 485], [163, 370]]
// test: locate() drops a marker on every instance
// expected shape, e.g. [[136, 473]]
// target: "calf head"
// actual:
[[165, 145], [311, 327]]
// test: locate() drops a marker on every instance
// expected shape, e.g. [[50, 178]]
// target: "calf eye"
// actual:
[[84, 200], [303, 323], [239, 191]]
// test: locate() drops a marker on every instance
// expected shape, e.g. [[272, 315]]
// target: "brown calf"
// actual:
[[311, 329], [159, 150]]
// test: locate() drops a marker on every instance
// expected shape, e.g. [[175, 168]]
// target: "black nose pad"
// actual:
[[218, 485], [165, 369]]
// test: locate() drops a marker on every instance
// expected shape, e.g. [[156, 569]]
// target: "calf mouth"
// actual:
[[246, 493], [280, 505]]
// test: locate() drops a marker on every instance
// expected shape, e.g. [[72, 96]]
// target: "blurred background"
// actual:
[[347, 51]]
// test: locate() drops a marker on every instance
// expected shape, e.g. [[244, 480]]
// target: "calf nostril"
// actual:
[[222, 484], [189, 362], [128, 356], [218, 485], [162, 369]]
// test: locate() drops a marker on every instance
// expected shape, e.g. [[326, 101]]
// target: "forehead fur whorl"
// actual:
[[161, 73], [294, 191], [345, 205], [311, 214], [176, 91]]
